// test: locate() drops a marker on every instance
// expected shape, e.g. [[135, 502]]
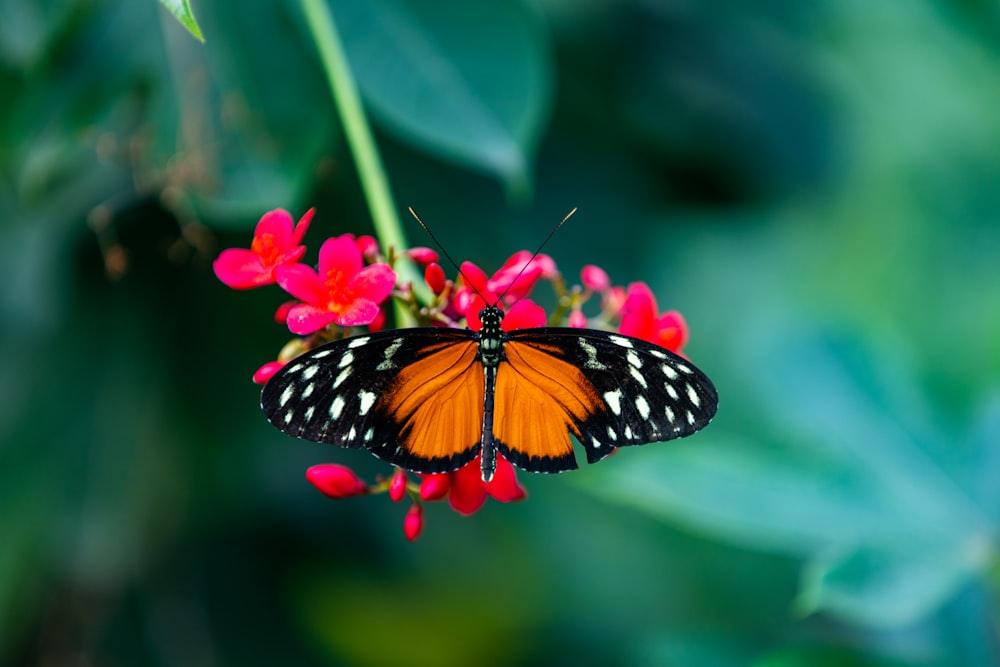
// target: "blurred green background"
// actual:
[[813, 184]]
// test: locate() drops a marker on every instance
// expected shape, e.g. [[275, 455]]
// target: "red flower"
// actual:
[[275, 244], [343, 292], [466, 489], [639, 319], [514, 280]]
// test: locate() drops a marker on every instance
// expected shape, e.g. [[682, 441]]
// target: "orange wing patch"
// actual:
[[539, 399], [438, 403]]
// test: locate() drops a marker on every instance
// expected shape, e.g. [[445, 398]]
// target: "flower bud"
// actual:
[[336, 481], [434, 277], [414, 522], [397, 485], [595, 278], [422, 255]]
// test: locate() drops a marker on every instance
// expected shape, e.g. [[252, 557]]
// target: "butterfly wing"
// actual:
[[606, 389], [413, 397]]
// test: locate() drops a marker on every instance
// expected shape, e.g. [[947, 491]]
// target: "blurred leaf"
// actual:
[[862, 484], [351, 615], [471, 82], [181, 9]]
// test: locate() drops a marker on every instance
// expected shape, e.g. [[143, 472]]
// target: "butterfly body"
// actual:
[[431, 399]]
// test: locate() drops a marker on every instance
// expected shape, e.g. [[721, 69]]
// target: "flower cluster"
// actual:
[[351, 288]]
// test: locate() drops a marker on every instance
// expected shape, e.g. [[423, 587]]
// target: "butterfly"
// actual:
[[430, 400]]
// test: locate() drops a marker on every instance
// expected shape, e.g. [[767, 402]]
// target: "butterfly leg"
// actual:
[[487, 445]]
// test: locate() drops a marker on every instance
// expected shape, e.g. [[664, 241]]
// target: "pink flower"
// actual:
[[275, 244], [639, 319], [517, 277], [342, 292], [335, 481], [467, 492]]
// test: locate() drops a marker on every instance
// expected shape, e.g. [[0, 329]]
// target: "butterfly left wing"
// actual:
[[607, 389], [413, 397]]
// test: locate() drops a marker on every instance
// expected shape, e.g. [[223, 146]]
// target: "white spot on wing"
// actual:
[[642, 406], [288, 417], [310, 371], [386, 363], [309, 412], [612, 434], [620, 341], [337, 407], [369, 434], [634, 372], [595, 442], [669, 372], [628, 432], [286, 395], [358, 342], [693, 395], [591, 353], [690, 417], [633, 359], [367, 401], [658, 354], [614, 401], [669, 411], [684, 369], [340, 378], [345, 360], [307, 392], [321, 354], [352, 434], [671, 391]]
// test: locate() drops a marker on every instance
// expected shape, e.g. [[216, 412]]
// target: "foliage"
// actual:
[[811, 184]]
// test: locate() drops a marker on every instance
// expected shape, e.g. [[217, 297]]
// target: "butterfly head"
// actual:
[[491, 317]]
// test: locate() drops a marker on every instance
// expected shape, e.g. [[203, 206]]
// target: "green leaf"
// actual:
[[181, 9], [867, 492], [471, 82]]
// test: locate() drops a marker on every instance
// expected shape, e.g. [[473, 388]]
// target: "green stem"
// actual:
[[360, 141]]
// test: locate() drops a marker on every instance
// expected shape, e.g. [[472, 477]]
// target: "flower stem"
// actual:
[[360, 141]]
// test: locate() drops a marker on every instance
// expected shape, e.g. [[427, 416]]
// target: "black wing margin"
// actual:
[[648, 393]]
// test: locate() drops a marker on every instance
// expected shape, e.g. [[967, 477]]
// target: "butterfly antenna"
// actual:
[[459, 268], [537, 251], [443, 251]]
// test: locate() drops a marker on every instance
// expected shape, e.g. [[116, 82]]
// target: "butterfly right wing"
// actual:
[[413, 397]]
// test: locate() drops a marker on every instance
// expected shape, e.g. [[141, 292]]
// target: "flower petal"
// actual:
[[305, 319], [504, 487], [340, 255], [373, 282], [278, 224], [468, 492], [302, 282], [240, 268], [302, 226], [356, 314], [523, 315], [639, 313]]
